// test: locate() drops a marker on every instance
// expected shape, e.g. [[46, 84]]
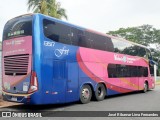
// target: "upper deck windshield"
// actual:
[[17, 27]]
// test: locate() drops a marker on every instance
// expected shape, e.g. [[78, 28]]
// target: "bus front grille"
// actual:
[[16, 64]]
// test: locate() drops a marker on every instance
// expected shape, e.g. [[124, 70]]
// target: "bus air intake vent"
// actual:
[[15, 65]]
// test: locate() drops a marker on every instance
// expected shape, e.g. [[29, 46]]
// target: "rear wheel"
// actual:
[[100, 92], [145, 87], [85, 94]]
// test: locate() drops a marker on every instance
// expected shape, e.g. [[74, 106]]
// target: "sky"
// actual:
[[99, 15]]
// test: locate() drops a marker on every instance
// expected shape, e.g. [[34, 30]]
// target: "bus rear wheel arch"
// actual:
[[85, 94], [100, 92]]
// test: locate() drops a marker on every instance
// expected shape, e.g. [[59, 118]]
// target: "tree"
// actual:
[[47, 7], [144, 34]]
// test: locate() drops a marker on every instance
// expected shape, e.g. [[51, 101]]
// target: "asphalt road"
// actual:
[[136, 101]]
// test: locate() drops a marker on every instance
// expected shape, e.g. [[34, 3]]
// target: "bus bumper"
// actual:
[[18, 98]]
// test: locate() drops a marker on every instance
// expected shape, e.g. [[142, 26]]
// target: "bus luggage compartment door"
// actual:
[[59, 81], [72, 82]]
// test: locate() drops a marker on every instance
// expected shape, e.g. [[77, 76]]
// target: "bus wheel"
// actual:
[[100, 92], [145, 87], [85, 94]]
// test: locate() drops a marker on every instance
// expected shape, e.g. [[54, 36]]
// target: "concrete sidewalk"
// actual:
[[6, 104]]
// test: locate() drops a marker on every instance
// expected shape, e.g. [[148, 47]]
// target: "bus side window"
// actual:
[[83, 39], [112, 73], [56, 31], [74, 36], [142, 52], [132, 50], [145, 72], [133, 70], [98, 42], [109, 44], [49, 31], [121, 46], [123, 71], [142, 71], [119, 71]]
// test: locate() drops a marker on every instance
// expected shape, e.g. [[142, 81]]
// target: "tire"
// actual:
[[100, 92], [85, 94], [145, 87]]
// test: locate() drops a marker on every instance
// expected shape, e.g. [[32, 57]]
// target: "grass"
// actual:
[[158, 82]]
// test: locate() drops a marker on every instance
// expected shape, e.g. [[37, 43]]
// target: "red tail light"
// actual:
[[33, 83]]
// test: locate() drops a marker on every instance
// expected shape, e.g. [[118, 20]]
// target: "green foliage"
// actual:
[[144, 34], [47, 7]]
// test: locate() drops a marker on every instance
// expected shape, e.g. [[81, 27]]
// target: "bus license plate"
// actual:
[[14, 98]]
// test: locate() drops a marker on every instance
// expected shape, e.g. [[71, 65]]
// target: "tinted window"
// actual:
[[131, 50], [145, 72], [84, 40], [125, 47], [121, 46], [122, 71], [74, 36], [142, 71], [98, 42], [20, 26], [118, 71], [134, 71], [57, 32], [109, 44], [112, 71], [142, 52]]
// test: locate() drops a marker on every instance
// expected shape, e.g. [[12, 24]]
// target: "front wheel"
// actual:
[[85, 94], [145, 87]]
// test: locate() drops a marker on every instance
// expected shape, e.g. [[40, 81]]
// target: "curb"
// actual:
[[4, 104]]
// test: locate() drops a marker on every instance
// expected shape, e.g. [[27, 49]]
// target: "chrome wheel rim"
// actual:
[[85, 93]]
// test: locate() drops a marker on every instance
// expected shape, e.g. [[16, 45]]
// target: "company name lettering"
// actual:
[[124, 59], [15, 42]]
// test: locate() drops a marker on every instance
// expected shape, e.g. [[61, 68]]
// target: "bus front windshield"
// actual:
[[17, 27]]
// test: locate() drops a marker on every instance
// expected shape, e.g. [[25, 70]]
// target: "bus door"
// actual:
[[72, 89], [59, 81]]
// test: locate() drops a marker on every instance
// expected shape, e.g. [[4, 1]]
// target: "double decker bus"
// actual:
[[49, 61]]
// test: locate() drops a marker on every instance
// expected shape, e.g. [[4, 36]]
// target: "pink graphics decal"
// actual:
[[95, 62], [13, 49]]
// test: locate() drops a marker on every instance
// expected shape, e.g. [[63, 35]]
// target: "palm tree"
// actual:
[[56, 11], [47, 7]]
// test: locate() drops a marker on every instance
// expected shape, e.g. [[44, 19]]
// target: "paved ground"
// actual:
[[127, 102]]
